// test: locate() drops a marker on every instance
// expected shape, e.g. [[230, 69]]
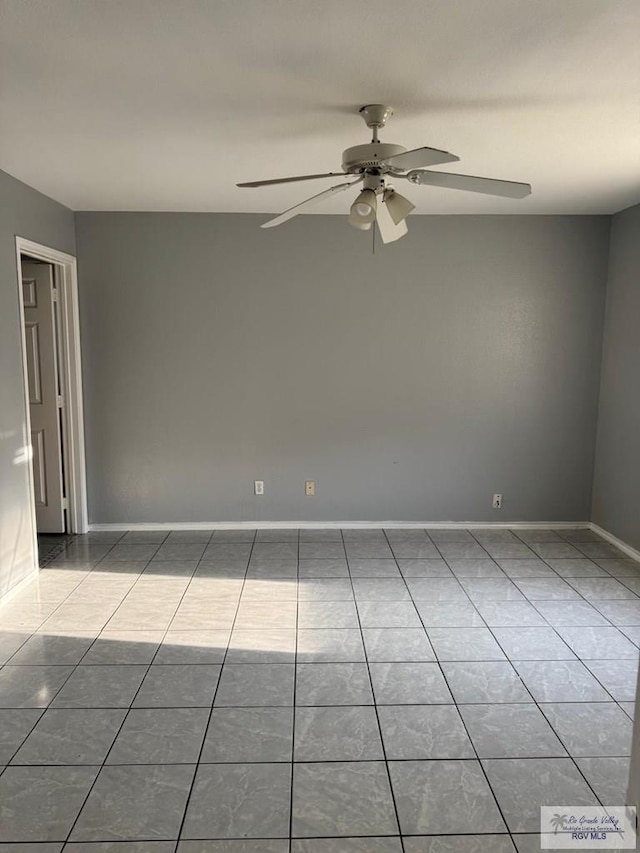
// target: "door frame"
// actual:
[[70, 371]]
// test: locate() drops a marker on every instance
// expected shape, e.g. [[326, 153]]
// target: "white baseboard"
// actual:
[[627, 549], [314, 525]]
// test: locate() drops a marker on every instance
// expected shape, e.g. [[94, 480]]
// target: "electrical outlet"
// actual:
[[497, 501], [258, 487], [309, 488]]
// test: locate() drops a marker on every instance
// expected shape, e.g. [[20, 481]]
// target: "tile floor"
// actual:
[[51, 544], [315, 691]]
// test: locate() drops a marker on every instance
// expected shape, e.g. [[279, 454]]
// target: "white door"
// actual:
[[44, 395]]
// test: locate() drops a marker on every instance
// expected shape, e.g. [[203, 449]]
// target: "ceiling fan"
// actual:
[[373, 165]]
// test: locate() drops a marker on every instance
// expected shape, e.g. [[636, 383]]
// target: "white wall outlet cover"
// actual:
[[497, 501], [309, 487], [258, 487]]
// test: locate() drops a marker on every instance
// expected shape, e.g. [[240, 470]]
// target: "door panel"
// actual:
[[42, 369], [39, 472], [32, 342]]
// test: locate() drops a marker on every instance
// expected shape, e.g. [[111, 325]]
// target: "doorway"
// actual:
[[49, 317]]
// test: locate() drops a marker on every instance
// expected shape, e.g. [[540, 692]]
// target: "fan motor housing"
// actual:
[[370, 156]]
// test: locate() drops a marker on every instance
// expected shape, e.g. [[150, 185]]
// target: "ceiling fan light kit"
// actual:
[[363, 209], [373, 165], [361, 226], [398, 206]]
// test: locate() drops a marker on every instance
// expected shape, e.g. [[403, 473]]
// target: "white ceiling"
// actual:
[[166, 104]]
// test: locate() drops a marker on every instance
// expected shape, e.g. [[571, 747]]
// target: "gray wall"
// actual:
[[616, 493], [461, 361], [25, 213]]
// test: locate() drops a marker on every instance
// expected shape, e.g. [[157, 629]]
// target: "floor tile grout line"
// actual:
[[470, 600], [54, 550], [213, 699], [506, 834], [534, 700], [159, 646], [131, 559], [530, 601], [24, 740], [354, 704], [571, 757], [335, 760], [477, 758], [519, 658], [101, 630], [600, 682], [509, 660], [182, 597], [124, 600], [75, 667], [533, 556], [515, 580], [33, 632], [102, 764], [124, 719], [468, 597], [410, 598], [108, 546], [323, 837], [375, 709], [545, 560], [293, 709], [573, 655]]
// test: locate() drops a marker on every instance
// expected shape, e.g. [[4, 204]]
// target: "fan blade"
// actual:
[[388, 229], [419, 157], [292, 180], [471, 183], [298, 208]]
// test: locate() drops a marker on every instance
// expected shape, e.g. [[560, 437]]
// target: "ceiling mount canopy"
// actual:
[[375, 164]]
